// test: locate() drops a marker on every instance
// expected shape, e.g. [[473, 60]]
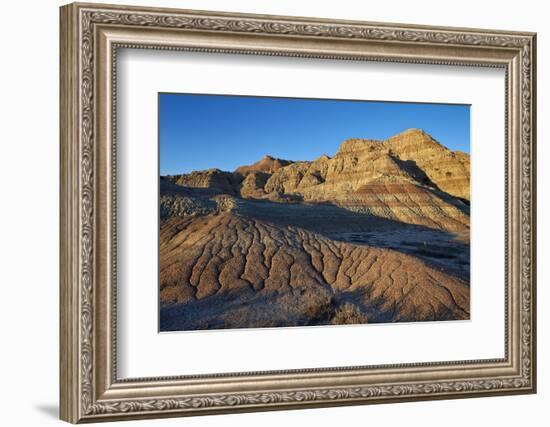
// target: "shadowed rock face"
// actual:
[[377, 233], [212, 179], [449, 170]]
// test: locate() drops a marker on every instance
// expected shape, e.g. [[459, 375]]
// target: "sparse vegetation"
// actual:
[[348, 314]]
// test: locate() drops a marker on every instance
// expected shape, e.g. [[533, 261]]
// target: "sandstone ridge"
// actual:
[[409, 177]]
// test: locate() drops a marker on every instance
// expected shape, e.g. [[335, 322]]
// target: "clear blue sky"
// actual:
[[206, 131]]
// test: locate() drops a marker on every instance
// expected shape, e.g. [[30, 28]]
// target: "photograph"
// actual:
[[281, 212], [279, 209]]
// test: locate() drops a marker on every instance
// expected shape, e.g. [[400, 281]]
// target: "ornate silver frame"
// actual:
[[90, 36]]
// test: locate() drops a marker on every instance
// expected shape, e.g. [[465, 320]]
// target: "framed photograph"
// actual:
[[266, 212]]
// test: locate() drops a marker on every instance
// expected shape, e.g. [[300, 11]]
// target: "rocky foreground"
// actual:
[[377, 233]]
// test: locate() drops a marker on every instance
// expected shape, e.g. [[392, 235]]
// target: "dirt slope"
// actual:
[[224, 270]]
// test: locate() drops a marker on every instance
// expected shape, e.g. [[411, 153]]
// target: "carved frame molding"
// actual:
[[90, 36]]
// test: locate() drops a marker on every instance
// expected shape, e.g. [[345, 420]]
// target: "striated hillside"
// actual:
[[409, 177], [448, 170], [377, 233]]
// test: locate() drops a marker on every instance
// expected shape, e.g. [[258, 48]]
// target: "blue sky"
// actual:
[[206, 131]]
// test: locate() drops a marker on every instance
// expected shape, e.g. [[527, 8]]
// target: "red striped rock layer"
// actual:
[[408, 203]]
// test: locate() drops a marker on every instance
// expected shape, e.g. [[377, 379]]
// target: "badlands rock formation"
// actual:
[[377, 233], [267, 164]]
